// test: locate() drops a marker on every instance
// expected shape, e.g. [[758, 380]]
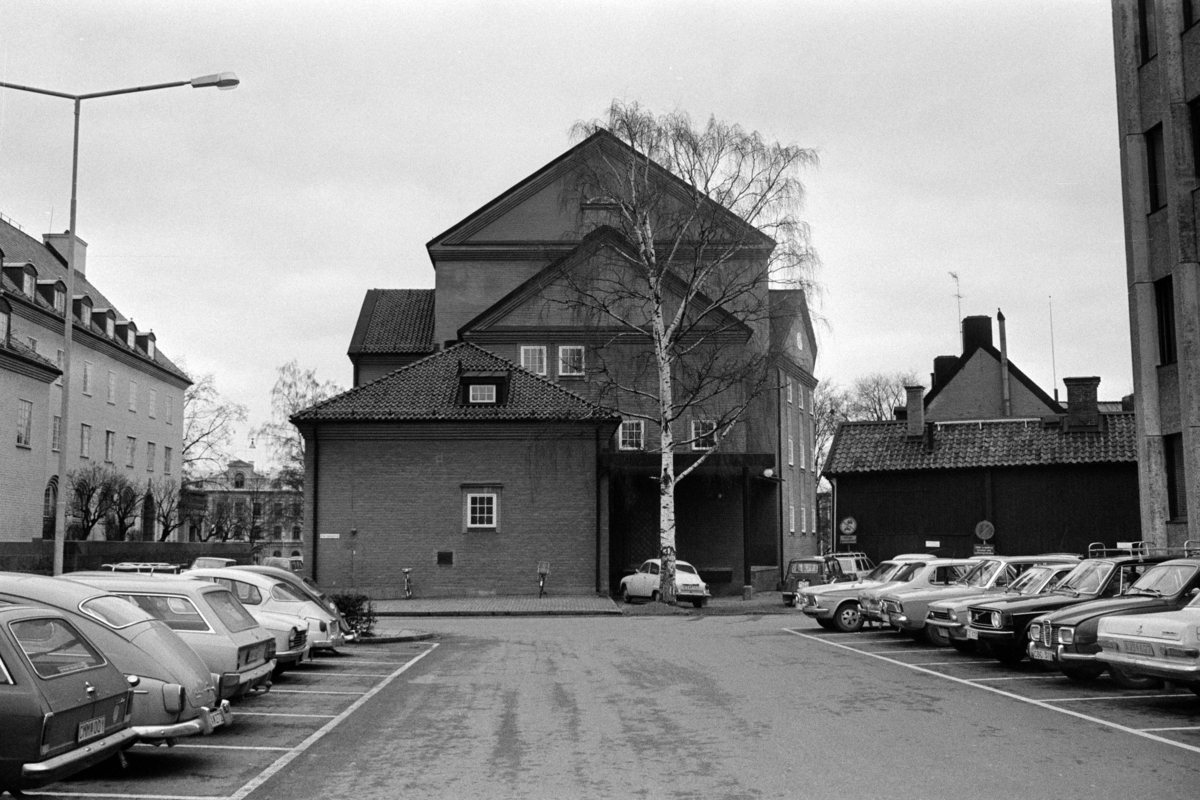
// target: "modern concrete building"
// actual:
[[127, 413], [1157, 48]]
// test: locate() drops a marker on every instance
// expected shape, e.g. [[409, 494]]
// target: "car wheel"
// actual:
[[1007, 655], [936, 636], [1128, 680], [827, 624], [1195, 687], [625, 595], [1082, 675], [698, 603], [848, 618], [963, 645], [654, 596]]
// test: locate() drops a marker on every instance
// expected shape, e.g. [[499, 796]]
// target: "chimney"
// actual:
[[976, 332], [1083, 413], [941, 369], [1004, 385], [61, 244], [915, 411]]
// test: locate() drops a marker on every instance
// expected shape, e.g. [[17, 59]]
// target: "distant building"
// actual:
[[1157, 47], [241, 504], [127, 413]]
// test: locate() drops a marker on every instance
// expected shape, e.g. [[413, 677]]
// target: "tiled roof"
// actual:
[[13, 345], [22, 248], [885, 446], [427, 390], [395, 321]]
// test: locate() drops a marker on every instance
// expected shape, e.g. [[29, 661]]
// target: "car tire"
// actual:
[[654, 596], [1008, 655], [1128, 680], [848, 618], [698, 604], [625, 595], [936, 636], [827, 624], [1082, 675], [963, 645], [1195, 687]]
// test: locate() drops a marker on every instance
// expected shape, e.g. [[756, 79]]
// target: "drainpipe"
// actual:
[[1004, 385], [315, 536]]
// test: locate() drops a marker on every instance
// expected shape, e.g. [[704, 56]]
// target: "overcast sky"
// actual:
[[244, 227]]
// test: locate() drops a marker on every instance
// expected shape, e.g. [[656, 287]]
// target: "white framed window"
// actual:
[[85, 315], [24, 423], [533, 358], [170, 412], [133, 396], [110, 327], [112, 388], [789, 390], [110, 445], [130, 450], [570, 360], [166, 461], [85, 440], [30, 287], [130, 338], [5, 321], [632, 435], [60, 301], [87, 378], [813, 510], [151, 456], [152, 409], [791, 519], [482, 393], [803, 392], [803, 519], [56, 434], [704, 434], [791, 452], [482, 510]]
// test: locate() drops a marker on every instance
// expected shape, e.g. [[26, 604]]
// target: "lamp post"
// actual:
[[223, 80]]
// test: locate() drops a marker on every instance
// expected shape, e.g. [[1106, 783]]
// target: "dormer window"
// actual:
[[5, 319], [83, 310], [145, 341], [130, 337], [239, 480], [110, 326], [60, 300], [30, 284], [482, 393], [483, 387]]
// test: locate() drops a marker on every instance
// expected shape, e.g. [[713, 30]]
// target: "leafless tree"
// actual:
[[209, 426], [167, 506], [90, 496], [123, 508], [691, 225], [878, 395], [830, 406], [295, 390]]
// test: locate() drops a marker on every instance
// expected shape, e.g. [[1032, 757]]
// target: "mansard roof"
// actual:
[[395, 321], [428, 390]]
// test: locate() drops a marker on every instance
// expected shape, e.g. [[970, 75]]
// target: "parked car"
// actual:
[[175, 696], [305, 585], [936, 575], [267, 592], [644, 583], [835, 605], [1068, 638], [909, 606], [1003, 624], [929, 572], [290, 563], [192, 608], [152, 567], [951, 614], [212, 562], [802, 573], [1163, 645]]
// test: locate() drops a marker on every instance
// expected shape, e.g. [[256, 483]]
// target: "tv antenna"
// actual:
[[959, 296], [1053, 368]]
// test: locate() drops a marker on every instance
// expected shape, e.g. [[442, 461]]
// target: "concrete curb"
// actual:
[[408, 636]]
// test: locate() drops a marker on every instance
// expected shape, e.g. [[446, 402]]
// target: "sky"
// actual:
[[244, 227]]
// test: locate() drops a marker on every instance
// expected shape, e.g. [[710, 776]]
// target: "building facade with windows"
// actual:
[[502, 276], [241, 504], [127, 412], [1157, 50]]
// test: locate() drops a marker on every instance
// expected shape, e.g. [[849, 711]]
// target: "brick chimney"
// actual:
[[976, 331], [941, 369], [1083, 412], [61, 244], [915, 411]]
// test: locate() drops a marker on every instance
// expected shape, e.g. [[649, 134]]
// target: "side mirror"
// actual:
[[132, 680]]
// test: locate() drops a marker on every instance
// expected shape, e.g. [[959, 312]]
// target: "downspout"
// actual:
[[780, 494], [599, 548], [833, 512], [315, 499], [1004, 385], [746, 527]]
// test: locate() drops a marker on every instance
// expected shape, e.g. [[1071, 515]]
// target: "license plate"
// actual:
[[1041, 655], [91, 728], [1141, 648], [216, 717], [972, 634]]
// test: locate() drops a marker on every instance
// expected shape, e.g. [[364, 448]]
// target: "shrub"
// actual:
[[358, 611]]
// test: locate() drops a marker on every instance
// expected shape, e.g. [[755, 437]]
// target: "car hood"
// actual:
[[830, 588], [1178, 625], [961, 601], [1034, 604], [1077, 613], [919, 593]]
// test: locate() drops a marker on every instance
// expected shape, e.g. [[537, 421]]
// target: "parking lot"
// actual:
[[1169, 715], [270, 730]]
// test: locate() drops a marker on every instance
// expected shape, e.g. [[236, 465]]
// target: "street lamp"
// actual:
[[223, 80]]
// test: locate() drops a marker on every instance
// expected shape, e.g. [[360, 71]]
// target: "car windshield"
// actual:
[[1163, 580], [1029, 580], [232, 613], [114, 611], [178, 612], [980, 574], [1087, 578], [682, 567], [54, 648], [909, 571], [883, 572]]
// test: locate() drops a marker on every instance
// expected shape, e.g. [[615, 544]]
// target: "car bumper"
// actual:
[[290, 658], [204, 723], [990, 635], [328, 640], [818, 612], [955, 630], [235, 683], [904, 622], [59, 767], [1182, 672]]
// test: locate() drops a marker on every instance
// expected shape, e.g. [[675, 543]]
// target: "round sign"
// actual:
[[985, 530], [848, 525]]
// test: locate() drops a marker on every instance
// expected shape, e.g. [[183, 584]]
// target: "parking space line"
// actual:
[[309, 691], [127, 796], [906, 650], [995, 690], [1185, 728], [241, 713], [226, 747], [938, 664], [315, 737], [1115, 697], [354, 674], [353, 660], [1016, 678]]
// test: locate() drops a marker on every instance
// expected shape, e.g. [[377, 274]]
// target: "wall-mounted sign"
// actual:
[[984, 550], [848, 538], [933, 543], [848, 526], [331, 536]]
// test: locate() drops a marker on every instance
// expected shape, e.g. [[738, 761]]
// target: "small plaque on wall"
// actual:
[[331, 536]]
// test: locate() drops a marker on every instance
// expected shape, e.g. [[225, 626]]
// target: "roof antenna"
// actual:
[[959, 295], [1053, 368]]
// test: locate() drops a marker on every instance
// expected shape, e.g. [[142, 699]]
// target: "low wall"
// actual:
[[38, 556]]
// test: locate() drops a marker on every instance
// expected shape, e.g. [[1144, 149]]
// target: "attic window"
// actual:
[[60, 300], [85, 314], [482, 393], [30, 286], [483, 387], [110, 327], [131, 337]]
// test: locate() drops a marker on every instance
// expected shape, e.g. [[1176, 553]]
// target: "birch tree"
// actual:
[[704, 222], [295, 389], [210, 423]]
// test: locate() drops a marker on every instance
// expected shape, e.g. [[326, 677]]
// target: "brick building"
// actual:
[[500, 278], [127, 413]]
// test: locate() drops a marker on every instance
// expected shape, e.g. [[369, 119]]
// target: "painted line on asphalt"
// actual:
[[1116, 697], [1015, 678], [903, 650], [311, 691], [994, 690], [227, 747], [127, 796], [325, 675], [242, 713], [1186, 728], [353, 660], [937, 664], [325, 729]]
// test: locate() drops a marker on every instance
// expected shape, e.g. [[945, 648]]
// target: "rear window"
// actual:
[[53, 647], [806, 567], [178, 612], [290, 594], [230, 611], [114, 611]]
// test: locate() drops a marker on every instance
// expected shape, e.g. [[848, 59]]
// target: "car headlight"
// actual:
[[1066, 635], [953, 615], [1035, 631], [995, 618]]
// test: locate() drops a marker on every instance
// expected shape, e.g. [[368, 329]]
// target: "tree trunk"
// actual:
[[666, 477]]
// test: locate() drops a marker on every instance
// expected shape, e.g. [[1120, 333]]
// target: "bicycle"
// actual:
[[543, 570], [408, 592]]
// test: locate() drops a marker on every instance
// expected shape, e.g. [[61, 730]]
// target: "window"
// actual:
[[110, 327], [481, 507], [534, 359], [58, 362], [85, 315], [789, 389], [1194, 119], [570, 360], [130, 337], [87, 378], [803, 392], [483, 393], [30, 286], [60, 300], [704, 435], [112, 388], [631, 435], [170, 413], [296, 510], [166, 461], [791, 519], [133, 396], [277, 510], [152, 410], [1156, 168], [1176, 476], [32, 344], [295, 533], [1189, 14], [151, 456], [791, 452], [256, 509], [1164, 300], [445, 558], [239, 480], [130, 450], [110, 445], [85, 440], [1147, 30], [5, 321], [803, 519], [24, 423], [239, 508], [56, 434]]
